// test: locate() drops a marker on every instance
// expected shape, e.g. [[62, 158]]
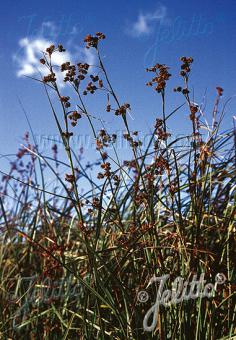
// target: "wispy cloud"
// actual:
[[31, 48], [145, 22]]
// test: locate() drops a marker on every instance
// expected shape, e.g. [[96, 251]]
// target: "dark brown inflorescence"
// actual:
[[93, 40], [162, 75]]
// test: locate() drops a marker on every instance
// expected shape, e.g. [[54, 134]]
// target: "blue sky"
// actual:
[[139, 33]]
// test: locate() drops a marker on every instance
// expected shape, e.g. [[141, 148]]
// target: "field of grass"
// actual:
[[73, 263]]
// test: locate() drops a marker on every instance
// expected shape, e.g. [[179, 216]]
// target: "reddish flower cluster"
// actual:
[[185, 91], [185, 70], [65, 101], [51, 49], [140, 196], [185, 67], [128, 239], [122, 109], [104, 139], [158, 123], [159, 131], [74, 117], [178, 89], [94, 78], [91, 88], [134, 143], [60, 48], [193, 110], [92, 41], [107, 170], [161, 165], [132, 165], [84, 228], [71, 71], [104, 156], [154, 170], [21, 153], [70, 178], [67, 134], [162, 75], [82, 69], [50, 78]]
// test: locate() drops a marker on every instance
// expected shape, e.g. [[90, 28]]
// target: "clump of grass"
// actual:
[[166, 210]]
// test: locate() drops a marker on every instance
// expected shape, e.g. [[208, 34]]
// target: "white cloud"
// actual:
[[27, 58], [146, 21], [48, 29]]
